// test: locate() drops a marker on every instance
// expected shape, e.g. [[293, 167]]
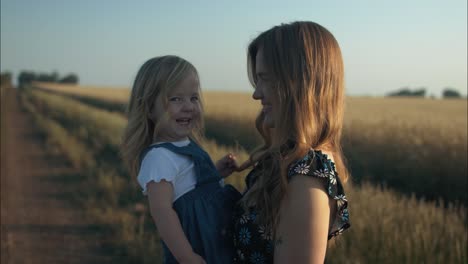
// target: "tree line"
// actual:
[[26, 77], [447, 92]]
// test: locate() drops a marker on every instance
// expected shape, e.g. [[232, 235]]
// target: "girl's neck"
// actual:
[[161, 140]]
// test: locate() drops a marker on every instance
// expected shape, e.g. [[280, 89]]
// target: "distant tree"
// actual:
[[421, 92], [402, 92], [406, 92], [5, 80], [54, 77], [450, 93], [26, 77], [45, 77], [70, 79]]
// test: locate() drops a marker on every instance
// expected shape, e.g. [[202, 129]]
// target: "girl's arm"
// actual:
[[302, 231], [168, 224]]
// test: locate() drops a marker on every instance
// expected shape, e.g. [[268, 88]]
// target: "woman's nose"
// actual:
[[257, 95]]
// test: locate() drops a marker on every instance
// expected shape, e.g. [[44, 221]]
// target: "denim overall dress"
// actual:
[[204, 212]]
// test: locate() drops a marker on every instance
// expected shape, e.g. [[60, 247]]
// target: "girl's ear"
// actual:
[[151, 115], [155, 110], [152, 112]]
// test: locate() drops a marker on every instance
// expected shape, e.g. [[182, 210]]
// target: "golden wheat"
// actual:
[[386, 226]]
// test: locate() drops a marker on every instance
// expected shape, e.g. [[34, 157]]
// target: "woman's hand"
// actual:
[[227, 165]]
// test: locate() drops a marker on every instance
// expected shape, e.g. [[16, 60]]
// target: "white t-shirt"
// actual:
[[161, 163]]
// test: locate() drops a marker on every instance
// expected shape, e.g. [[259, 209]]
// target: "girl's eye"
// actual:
[[174, 99], [195, 98]]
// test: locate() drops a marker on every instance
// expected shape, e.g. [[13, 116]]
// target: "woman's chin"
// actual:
[[269, 122]]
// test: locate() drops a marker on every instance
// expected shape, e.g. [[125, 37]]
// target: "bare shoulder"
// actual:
[[301, 184], [304, 195], [307, 193], [303, 222]]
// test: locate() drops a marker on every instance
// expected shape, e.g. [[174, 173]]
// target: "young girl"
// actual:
[[188, 202]]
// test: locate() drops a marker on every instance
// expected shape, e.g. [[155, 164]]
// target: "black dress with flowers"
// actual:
[[254, 243]]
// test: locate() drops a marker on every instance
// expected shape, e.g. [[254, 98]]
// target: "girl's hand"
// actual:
[[193, 259], [227, 165]]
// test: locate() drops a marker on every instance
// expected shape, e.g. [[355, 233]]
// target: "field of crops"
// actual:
[[408, 159]]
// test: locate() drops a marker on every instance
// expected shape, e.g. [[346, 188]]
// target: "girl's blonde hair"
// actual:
[[306, 63], [154, 80]]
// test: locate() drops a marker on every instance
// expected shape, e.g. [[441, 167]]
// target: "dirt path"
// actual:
[[39, 224]]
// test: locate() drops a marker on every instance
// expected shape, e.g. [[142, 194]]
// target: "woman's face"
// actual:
[[264, 90]]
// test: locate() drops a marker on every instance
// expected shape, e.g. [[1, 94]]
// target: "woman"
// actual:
[[294, 201]]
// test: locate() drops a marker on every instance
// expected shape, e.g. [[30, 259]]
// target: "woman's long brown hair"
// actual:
[[306, 62]]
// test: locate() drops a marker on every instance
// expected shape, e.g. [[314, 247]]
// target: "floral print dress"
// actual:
[[254, 243]]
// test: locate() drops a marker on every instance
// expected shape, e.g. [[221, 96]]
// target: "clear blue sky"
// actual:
[[386, 44]]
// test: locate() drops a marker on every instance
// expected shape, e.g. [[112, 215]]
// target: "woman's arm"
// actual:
[[302, 231], [170, 230]]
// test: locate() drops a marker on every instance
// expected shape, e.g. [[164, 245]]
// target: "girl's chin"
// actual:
[[184, 134]]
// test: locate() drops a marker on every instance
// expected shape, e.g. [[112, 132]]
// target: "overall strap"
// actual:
[[204, 168]]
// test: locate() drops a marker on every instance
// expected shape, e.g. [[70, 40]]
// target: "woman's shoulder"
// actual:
[[314, 163], [317, 164], [320, 165]]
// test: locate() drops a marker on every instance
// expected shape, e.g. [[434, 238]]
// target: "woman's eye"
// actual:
[[174, 99], [195, 98], [262, 79]]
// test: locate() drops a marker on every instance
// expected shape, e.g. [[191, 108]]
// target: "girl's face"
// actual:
[[182, 113], [264, 90]]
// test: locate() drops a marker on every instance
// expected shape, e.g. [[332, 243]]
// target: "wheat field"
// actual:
[[408, 159]]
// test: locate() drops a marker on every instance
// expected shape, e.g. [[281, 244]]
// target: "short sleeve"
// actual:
[[156, 165], [317, 164]]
